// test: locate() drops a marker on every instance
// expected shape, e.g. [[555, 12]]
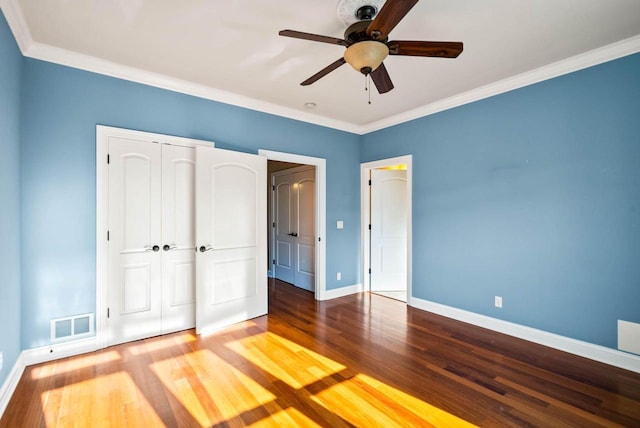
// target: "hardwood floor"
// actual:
[[361, 360]]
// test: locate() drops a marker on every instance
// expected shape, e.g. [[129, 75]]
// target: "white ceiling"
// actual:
[[231, 51]]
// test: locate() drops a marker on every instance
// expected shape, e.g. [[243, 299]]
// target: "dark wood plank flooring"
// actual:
[[361, 360]]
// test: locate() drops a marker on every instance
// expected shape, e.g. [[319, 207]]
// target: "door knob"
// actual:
[[168, 247], [156, 248], [293, 234], [207, 248]]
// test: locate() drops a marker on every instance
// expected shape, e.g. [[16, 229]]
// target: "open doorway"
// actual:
[[313, 169], [291, 207], [386, 221]]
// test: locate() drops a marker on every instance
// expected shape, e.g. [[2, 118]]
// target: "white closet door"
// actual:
[[178, 238], [231, 213], [283, 218], [135, 232], [388, 230], [305, 228]]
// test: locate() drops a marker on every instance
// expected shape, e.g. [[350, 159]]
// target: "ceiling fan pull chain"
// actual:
[[369, 85]]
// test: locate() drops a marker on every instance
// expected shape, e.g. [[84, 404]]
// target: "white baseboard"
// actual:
[[10, 383], [59, 350], [41, 355], [341, 292], [577, 347]]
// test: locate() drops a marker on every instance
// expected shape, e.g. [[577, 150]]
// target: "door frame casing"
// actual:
[[365, 216], [103, 133], [321, 203]]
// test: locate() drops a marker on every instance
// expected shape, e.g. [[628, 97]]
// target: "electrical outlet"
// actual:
[[498, 302], [339, 276]]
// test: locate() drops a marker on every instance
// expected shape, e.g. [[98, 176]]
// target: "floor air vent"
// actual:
[[74, 327]]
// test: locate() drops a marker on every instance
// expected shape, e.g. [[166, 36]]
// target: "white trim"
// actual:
[[41, 355], [103, 133], [108, 68], [577, 347], [342, 291], [556, 69], [321, 210], [57, 351], [365, 201], [33, 49], [19, 27], [11, 383]]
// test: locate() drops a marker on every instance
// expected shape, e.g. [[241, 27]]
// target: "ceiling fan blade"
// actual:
[[418, 48], [313, 37], [380, 77], [389, 16], [320, 74]]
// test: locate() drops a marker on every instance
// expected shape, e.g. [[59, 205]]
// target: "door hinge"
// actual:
[[274, 261], [319, 239], [108, 158], [369, 182], [107, 235], [273, 187], [108, 312], [369, 271], [274, 225], [369, 227]]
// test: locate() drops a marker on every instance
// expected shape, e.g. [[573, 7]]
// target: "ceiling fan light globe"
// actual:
[[366, 55]]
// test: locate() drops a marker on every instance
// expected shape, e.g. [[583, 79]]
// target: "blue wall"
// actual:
[[10, 72], [61, 109], [533, 195]]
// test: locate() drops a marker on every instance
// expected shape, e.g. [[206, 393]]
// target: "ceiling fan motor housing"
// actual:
[[357, 32]]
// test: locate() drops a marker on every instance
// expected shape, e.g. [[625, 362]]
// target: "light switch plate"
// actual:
[[340, 224]]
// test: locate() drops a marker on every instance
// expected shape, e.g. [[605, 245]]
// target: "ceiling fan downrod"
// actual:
[[366, 12]]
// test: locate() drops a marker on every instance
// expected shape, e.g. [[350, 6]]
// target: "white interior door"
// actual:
[[388, 230], [284, 237], [134, 277], [178, 238], [305, 225], [231, 204]]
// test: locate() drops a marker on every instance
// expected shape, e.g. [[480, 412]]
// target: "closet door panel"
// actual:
[[135, 228], [231, 213], [178, 238]]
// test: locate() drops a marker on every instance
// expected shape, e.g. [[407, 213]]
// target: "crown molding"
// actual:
[[30, 48], [556, 69], [96, 65], [15, 18]]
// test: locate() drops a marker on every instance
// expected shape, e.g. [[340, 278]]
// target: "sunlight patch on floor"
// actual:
[[58, 367], [289, 417], [293, 364], [365, 401], [90, 403], [211, 389]]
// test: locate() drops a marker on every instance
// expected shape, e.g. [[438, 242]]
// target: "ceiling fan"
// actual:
[[367, 43]]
